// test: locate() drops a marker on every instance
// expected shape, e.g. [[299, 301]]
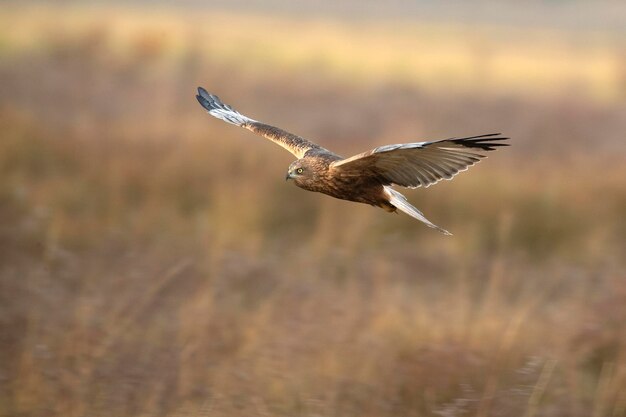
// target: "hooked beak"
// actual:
[[288, 176]]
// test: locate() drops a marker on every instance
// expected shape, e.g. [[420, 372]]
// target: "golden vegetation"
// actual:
[[440, 57], [153, 262]]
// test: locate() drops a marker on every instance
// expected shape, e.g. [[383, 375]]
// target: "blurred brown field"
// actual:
[[154, 263]]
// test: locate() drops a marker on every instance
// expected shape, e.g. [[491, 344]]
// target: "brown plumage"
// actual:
[[366, 177]]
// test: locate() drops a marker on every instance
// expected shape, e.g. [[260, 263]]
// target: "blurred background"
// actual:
[[153, 261]]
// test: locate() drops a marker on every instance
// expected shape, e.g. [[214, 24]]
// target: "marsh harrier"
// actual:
[[368, 176]]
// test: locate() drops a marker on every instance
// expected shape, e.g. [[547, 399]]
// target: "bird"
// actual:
[[367, 177]]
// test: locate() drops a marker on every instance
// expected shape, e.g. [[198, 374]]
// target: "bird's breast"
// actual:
[[353, 188]]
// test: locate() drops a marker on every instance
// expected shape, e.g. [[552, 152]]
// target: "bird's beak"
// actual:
[[288, 176]]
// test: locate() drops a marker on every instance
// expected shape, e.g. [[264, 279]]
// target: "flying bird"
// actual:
[[369, 176]]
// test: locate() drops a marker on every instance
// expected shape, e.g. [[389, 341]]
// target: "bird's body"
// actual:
[[366, 177], [323, 179]]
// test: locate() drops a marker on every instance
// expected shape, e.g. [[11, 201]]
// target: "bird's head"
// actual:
[[295, 170], [301, 172]]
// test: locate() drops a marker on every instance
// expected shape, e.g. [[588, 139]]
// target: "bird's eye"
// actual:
[[299, 170]]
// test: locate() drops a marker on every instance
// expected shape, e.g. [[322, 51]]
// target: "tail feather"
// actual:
[[401, 203]]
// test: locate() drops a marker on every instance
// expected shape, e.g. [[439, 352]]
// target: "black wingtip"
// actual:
[[207, 96], [487, 142], [209, 101], [203, 102]]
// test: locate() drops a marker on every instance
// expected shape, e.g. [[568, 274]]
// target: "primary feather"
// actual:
[[420, 164], [293, 143]]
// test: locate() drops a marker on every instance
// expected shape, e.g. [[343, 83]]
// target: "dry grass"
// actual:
[[152, 262], [440, 58]]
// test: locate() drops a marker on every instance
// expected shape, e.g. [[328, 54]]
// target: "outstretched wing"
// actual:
[[294, 144], [419, 164]]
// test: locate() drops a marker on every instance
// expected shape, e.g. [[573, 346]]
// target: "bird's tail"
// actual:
[[401, 203]]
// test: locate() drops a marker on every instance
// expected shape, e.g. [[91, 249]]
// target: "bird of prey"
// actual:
[[369, 176]]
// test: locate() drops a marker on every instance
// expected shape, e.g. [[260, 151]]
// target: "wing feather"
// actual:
[[420, 164], [293, 143]]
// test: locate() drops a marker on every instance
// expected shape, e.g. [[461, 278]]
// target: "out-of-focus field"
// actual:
[[153, 262], [436, 57]]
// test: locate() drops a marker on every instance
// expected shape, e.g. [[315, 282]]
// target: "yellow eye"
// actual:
[[299, 170]]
